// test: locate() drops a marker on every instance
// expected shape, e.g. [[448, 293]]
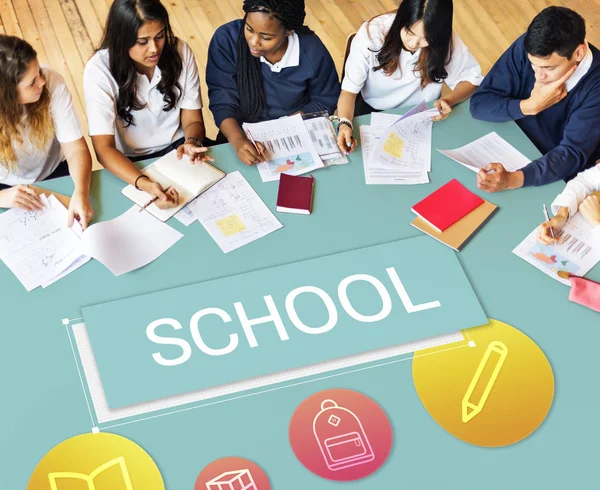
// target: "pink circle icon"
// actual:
[[232, 474], [340, 435]]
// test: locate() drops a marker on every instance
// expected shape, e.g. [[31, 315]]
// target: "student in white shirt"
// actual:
[[142, 94], [38, 129], [402, 59], [577, 196]]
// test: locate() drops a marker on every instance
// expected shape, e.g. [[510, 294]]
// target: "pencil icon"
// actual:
[[495, 355]]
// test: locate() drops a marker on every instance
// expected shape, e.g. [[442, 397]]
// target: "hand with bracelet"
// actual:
[[193, 148], [345, 140], [169, 199]]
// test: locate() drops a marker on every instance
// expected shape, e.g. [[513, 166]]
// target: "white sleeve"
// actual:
[[463, 66], [358, 64], [191, 98], [100, 99], [67, 127], [577, 190]]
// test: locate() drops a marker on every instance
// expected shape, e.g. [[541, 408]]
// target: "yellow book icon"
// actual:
[[495, 355], [89, 479]]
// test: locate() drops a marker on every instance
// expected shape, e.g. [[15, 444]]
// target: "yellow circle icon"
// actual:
[[493, 389], [96, 462]]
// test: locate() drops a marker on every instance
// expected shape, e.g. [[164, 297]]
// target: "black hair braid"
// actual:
[[249, 81], [251, 90]]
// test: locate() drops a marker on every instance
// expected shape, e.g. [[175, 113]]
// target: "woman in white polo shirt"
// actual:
[[402, 59], [38, 129], [142, 95]]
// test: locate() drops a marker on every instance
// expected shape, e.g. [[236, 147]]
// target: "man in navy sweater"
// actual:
[[548, 81]]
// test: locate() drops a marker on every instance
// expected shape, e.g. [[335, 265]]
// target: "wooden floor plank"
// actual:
[[93, 20], [9, 19], [84, 44], [29, 30]]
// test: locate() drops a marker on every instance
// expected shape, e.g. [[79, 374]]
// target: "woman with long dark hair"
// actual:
[[402, 59], [142, 94], [39, 129], [265, 66]]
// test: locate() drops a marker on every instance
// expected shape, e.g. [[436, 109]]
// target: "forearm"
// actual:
[[5, 199], [461, 92], [118, 164], [232, 130], [489, 106], [80, 168], [346, 104]]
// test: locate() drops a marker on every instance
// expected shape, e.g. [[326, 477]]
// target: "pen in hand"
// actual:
[[548, 219], [258, 150], [154, 199]]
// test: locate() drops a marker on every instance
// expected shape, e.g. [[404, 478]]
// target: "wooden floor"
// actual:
[[66, 32]]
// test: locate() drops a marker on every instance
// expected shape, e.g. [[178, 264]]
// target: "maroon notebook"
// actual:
[[444, 207], [295, 194]]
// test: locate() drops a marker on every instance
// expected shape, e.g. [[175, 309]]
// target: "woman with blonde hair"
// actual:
[[38, 130]]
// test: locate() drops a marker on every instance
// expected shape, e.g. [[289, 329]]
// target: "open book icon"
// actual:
[[89, 479]]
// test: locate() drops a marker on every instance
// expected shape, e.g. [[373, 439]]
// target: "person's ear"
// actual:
[[580, 52]]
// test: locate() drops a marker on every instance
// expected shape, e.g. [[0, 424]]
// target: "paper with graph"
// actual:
[[289, 147], [233, 213], [575, 251]]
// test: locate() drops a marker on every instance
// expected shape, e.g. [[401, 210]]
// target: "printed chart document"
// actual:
[[575, 251], [189, 179], [322, 134], [37, 246], [233, 213], [129, 241], [487, 149], [289, 147]]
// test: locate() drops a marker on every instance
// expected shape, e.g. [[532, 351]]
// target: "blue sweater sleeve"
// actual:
[[324, 86], [581, 137], [221, 75], [498, 99]]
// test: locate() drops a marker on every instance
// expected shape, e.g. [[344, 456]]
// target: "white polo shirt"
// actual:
[[291, 57], [153, 128], [35, 164], [403, 87]]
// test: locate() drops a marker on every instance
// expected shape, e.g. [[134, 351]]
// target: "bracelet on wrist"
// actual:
[[345, 122], [194, 139], [135, 184]]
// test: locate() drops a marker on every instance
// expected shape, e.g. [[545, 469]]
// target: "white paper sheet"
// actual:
[[37, 246], [289, 147], [575, 251], [233, 213], [487, 149], [322, 135], [128, 242], [380, 121], [185, 216], [375, 175]]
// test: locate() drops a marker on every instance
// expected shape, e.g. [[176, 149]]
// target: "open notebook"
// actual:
[[190, 180]]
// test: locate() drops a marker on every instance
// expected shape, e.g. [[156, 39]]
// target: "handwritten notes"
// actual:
[[233, 214]]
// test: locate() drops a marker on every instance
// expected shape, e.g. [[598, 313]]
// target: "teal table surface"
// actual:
[[42, 402]]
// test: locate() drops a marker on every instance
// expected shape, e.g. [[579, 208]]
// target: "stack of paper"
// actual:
[[39, 249], [37, 246], [291, 146], [397, 149], [233, 213], [575, 251]]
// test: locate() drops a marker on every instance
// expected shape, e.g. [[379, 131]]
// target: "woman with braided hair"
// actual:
[[403, 58], [265, 66]]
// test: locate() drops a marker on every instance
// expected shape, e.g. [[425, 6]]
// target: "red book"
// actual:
[[295, 194], [444, 207]]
